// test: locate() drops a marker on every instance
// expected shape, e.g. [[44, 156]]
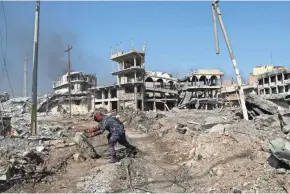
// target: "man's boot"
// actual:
[[113, 159]]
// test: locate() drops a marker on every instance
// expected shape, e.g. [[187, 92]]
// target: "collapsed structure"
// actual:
[[81, 97], [201, 89]]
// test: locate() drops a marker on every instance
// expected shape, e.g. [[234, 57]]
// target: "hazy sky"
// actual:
[[179, 37]]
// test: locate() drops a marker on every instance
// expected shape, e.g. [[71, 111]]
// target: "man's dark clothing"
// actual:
[[116, 133]]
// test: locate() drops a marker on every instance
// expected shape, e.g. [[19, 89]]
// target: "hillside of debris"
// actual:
[[178, 151]]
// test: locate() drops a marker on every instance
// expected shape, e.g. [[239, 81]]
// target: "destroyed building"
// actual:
[[136, 87], [201, 89], [274, 86], [230, 93], [161, 90], [4, 97], [81, 97]]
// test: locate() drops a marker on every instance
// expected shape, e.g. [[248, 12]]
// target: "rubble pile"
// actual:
[[17, 106], [182, 151]]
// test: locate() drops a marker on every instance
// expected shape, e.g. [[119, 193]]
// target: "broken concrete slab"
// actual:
[[280, 149], [219, 128], [269, 122], [86, 147], [264, 105]]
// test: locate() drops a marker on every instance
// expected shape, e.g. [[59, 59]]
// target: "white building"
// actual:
[[80, 82]]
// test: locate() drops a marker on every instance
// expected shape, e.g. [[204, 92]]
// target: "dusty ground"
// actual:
[[201, 160]]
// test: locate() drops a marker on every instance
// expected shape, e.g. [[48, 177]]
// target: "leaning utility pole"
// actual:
[[95, 85], [69, 86], [25, 76], [216, 12], [35, 64]]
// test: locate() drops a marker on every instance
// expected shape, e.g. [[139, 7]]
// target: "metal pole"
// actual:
[[47, 104], [239, 80], [95, 85], [35, 64], [69, 85], [25, 77]]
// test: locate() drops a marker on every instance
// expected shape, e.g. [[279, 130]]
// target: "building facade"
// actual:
[[135, 86], [80, 82], [202, 88]]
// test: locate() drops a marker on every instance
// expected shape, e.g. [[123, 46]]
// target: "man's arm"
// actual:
[[99, 131]]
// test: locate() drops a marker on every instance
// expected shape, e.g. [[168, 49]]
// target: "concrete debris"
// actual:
[[219, 128], [85, 146], [79, 157], [280, 149], [224, 152]]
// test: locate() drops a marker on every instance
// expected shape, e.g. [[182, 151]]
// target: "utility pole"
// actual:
[[46, 103], [35, 69], [216, 12], [95, 85], [69, 85], [25, 76]]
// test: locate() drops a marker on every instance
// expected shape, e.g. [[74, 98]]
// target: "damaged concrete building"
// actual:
[[136, 87], [201, 89], [4, 97], [275, 85], [81, 97]]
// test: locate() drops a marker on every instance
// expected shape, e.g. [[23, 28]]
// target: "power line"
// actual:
[[4, 53]]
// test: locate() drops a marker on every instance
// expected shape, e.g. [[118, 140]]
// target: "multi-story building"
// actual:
[[134, 86], [202, 88], [81, 97], [261, 69], [4, 97], [161, 90], [79, 81], [275, 86]]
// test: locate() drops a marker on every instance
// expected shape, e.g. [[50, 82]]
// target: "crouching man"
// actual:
[[116, 134]]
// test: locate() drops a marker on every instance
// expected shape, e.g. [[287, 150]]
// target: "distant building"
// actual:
[[81, 97], [202, 89], [4, 97], [261, 69], [80, 82]]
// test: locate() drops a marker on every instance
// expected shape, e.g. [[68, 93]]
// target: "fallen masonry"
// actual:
[[182, 150]]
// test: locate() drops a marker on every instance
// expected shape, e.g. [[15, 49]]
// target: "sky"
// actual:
[[179, 37]]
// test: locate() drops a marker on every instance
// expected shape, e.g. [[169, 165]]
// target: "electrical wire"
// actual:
[[2, 49]]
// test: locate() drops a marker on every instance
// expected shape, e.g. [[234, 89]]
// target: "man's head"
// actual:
[[98, 116]]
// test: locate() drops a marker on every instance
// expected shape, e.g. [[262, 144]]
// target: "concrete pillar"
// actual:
[[109, 100], [103, 98], [135, 62], [135, 97], [269, 80], [142, 97], [206, 93], [119, 66], [135, 77], [118, 102], [154, 103], [142, 62], [123, 64]]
